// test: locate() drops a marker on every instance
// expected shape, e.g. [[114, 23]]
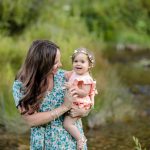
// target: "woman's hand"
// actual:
[[68, 100], [74, 91], [78, 112], [67, 85]]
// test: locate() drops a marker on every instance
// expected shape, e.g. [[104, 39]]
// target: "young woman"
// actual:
[[41, 100]]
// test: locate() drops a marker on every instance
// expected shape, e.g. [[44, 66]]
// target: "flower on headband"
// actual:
[[91, 58], [75, 51]]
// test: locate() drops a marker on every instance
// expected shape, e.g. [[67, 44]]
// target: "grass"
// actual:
[[137, 144]]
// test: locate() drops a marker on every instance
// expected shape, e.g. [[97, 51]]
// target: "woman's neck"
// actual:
[[50, 80]]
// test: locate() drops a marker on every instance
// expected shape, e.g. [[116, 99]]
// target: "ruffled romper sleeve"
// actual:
[[93, 91]]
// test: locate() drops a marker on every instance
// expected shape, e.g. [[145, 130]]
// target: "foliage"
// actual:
[[137, 144], [17, 14], [117, 21]]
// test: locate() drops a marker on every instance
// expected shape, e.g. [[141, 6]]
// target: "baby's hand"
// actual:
[[67, 85]]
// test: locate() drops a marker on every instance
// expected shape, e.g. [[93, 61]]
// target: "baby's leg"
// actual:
[[69, 125]]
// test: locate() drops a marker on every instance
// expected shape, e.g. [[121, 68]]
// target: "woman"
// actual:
[[39, 97]]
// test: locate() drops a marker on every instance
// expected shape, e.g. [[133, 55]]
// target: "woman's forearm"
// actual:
[[41, 118]]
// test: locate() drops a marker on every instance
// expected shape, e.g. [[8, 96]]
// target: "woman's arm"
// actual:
[[40, 118]]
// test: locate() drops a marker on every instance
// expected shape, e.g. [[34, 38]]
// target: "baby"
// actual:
[[85, 89]]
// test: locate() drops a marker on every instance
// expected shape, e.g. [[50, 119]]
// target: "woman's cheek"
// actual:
[[55, 69]]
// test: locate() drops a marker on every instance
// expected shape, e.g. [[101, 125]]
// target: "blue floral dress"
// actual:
[[51, 136]]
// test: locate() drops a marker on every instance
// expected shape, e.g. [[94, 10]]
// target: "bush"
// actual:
[[17, 14], [108, 19]]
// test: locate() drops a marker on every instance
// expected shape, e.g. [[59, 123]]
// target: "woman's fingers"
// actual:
[[73, 92], [68, 99], [67, 85]]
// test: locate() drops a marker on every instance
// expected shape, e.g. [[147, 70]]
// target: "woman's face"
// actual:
[[57, 63]]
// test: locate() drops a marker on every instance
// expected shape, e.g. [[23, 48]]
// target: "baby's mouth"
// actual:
[[78, 68]]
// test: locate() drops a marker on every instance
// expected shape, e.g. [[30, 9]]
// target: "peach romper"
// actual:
[[87, 101]]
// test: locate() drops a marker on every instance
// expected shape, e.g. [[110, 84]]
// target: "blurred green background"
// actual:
[[118, 33]]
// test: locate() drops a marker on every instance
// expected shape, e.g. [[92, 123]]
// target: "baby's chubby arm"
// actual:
[[80, 90], [68, 74]]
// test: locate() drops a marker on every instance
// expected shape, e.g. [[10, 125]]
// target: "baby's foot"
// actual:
[[81, 142]]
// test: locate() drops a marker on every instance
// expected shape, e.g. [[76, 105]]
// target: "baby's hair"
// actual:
[[86, 52]]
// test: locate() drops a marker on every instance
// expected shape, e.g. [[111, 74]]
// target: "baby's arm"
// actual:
[[68, 74], [80, 90], [83, 89]]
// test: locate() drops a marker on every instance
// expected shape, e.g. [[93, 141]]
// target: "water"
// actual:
[[118, 136]]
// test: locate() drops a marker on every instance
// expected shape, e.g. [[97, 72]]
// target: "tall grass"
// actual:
[[137, 144]]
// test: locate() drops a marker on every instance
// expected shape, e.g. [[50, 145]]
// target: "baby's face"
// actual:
[[81, 64]]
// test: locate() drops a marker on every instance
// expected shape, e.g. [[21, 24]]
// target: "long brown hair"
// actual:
[[33, 74]]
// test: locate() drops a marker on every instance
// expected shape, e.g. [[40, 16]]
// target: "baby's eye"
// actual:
[[75, 61], [82, 61]]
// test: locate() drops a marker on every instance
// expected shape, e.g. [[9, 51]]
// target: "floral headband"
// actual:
[[86, 52]]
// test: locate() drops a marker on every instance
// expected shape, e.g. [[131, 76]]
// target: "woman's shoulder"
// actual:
[[60, 72], [17, 91], [60, 75], [17, 84]]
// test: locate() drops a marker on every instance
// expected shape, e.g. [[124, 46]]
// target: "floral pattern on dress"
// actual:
[[51, 136]]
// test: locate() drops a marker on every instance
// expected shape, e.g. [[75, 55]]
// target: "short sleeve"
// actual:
[[17, 94]]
